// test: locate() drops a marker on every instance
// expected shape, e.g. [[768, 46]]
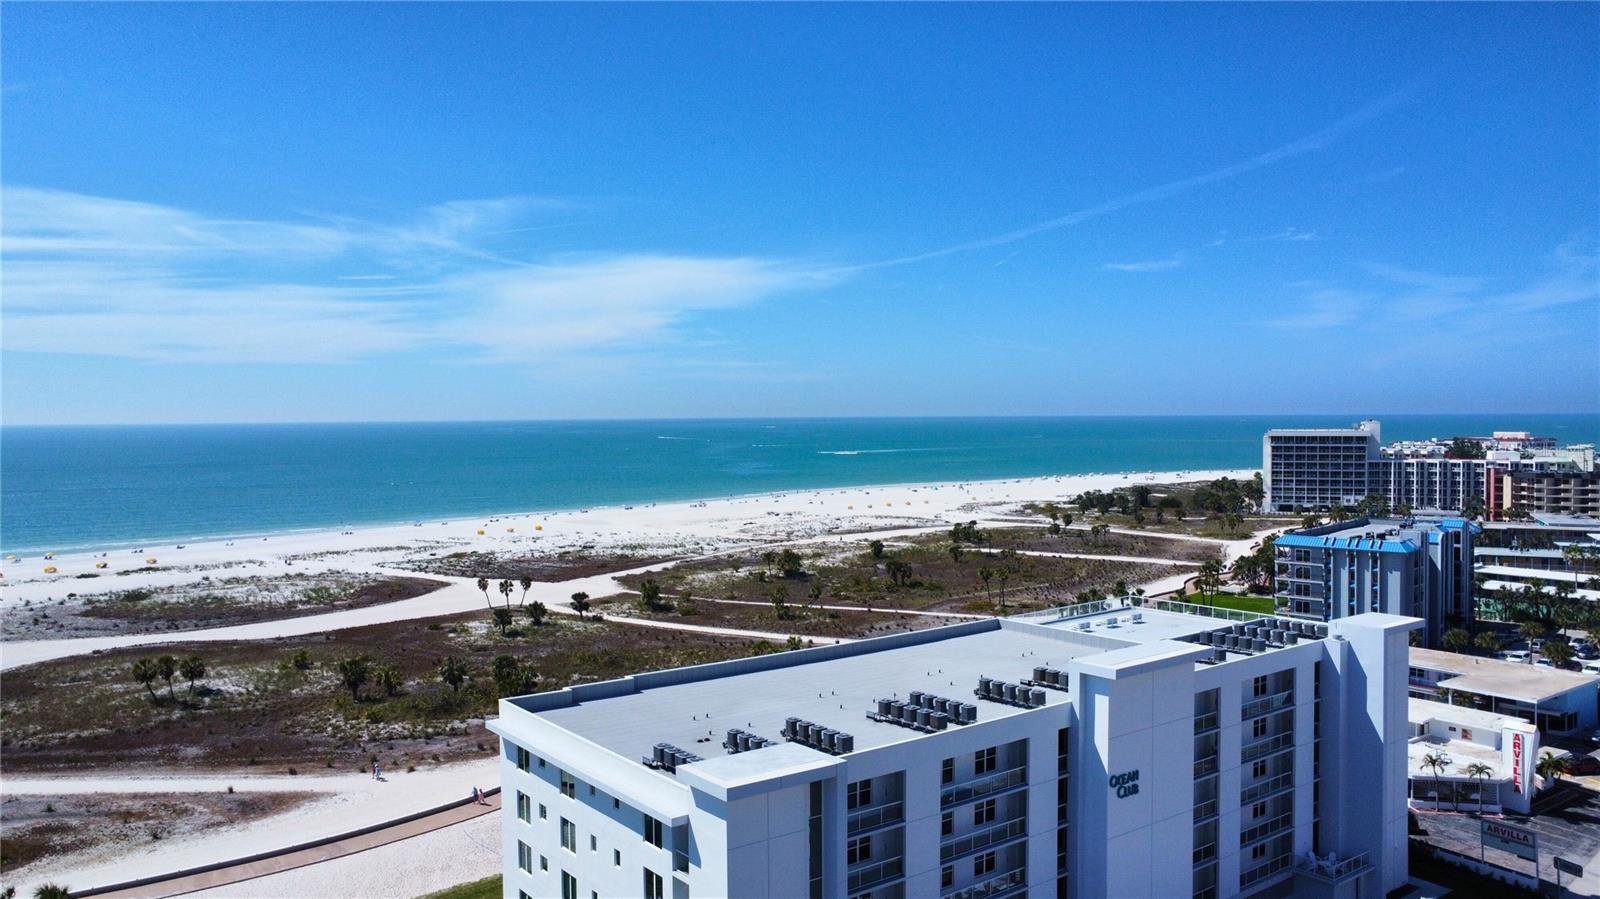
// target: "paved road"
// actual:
[[1570, 831]]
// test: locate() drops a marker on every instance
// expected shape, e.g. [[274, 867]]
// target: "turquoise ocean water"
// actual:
[[65, 488]]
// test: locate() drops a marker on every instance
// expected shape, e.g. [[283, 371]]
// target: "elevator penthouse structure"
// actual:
[[1099, 750]]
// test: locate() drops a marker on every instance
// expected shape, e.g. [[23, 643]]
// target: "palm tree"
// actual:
[[452, 671], [144, 671], [1004, 575], [1551, 767], [580, 603], [505, 592], [1479, 771], [388, 679], [51, 891], [192, 668], [1437, 762], [526, 583], [1558, 652], [354, 672], [1456, 639], [984, 574], [1488, 641], [483, 584], [167, 667], [536, 612]]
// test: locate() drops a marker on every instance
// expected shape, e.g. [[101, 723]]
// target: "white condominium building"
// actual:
[[1315, 468], [1095, 751]]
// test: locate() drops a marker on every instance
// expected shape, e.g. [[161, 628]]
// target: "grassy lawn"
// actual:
[[796, 618], [938, 580], [1262, 604], [487, 888], [257, 709]]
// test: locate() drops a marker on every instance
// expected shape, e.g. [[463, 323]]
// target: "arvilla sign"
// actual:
[[1516, 761], [1126, 784]]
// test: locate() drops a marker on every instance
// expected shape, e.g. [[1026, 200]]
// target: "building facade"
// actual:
[[1315, 468], [1400, 567], [1557, 702], [1100, 751], [1307, 470]]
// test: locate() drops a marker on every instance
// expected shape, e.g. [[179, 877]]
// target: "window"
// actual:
[[983, 761], [524, 807], [591, 789], [858, 850], [1258, 810], [615, 802], [1258, 687], [1258, 851], [544, 863], [524, 857], [983, 864], [947, 771], [544, 813], [569, 886], [541, 763], [947, 877], [1258, 769], [858, 794], [983, 812], [522, 759], [653, 888], [569, 835], [1258, 728], [652, 831], [947, 824], [616, 858], [569, 787], [594, 843]]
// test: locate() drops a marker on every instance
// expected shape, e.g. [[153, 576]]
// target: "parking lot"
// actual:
[[1567, 820]]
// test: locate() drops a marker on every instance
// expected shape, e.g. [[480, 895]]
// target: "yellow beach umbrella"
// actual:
[[480, 532], [49, 569], [99, 564], [538, 527]]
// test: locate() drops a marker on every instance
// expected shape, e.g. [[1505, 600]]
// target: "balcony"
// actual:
[[1262, 872], [984, 786], [1006, 884], [983, 839], [1331, 869], [1204, 854], [1205, 765], [1265, 829], [1268, 746], [1204, 724], [868, 876], [878, 816], [1255, 708], [1205, 811], [1268, 787]]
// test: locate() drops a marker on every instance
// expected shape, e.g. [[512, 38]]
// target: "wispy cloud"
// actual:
[[94, 275], [1291, 234], [1399, 299], [1148, 265], [1317, 140]]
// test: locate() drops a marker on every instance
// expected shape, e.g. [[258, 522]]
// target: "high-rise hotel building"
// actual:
[[1094, 751]]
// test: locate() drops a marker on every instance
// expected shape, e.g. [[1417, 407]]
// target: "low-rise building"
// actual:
[[1462, 758], [1089, 752], [1559, 703], [1401, 567]]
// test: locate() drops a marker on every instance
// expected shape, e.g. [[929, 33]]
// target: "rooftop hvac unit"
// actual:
[[924, 717], [1258, 644], [1036, 697], [1010, 691], [968, 713], [791, 728], [916, 697], [939, 720], [883, 707], [846, 743], [1291, 639], [1040, 674], [983, 686], [1083, 625]]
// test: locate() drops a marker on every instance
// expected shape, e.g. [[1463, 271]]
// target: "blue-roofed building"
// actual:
[[1398, 566]]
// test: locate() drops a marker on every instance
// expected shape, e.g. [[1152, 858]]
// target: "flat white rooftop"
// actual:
[[1419, 711], [1517, 681], [837, 686]]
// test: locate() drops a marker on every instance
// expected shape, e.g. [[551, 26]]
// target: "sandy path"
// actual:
[[349, 802], [879, 609]]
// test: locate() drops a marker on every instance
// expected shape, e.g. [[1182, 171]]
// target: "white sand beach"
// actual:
[[688, 529]]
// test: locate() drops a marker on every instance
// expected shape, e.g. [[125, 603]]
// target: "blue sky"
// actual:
[[361, 212]]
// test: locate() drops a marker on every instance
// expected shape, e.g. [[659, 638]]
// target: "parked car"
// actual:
[[1585, 764], [1594, 737], [1543, 662], [1515, 655], [1591, 666]]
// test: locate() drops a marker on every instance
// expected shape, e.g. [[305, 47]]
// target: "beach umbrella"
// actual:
[[11, 558], [99, 564], [538, 527], [150, 561], [511, 530], [480, 532], [49, 569]]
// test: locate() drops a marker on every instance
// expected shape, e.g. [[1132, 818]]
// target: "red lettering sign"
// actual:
[[1516, 761]]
